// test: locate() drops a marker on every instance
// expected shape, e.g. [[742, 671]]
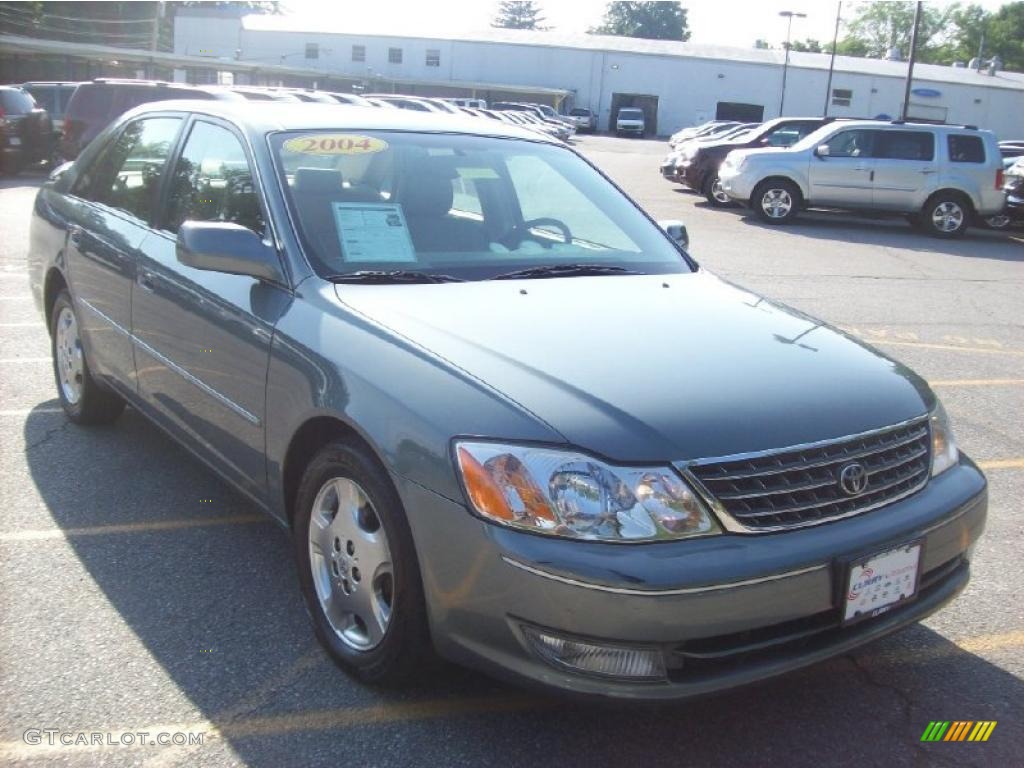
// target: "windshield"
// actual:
[[631, 114], [470, 207]]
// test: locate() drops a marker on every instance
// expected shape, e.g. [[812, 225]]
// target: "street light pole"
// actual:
[[832, 59], [785, 63], [910, 62]]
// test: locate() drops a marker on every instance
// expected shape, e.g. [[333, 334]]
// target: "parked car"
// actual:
[[471, 103], [391, 330], [703, 130], [54, 98], [413, 103], [630, 120], [944, 177], [26, 133], [583, 119], [1012, 149], [94, 105], [1013, 186], [698, 164], [672, 167], [530, 113]]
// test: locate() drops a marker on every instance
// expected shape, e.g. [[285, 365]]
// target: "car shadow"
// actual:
[[217, 606], [889, 232]]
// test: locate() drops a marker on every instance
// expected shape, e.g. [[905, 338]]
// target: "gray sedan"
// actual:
[[503, 413]]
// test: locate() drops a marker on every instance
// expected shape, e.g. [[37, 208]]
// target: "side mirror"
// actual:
[[677, 231], [230, 248], [60, 170], [822, 151]]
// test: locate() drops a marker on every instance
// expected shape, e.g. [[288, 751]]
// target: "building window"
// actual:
[[394, 55], [841, 97], [433, 57], [358, 53], [312, 51]]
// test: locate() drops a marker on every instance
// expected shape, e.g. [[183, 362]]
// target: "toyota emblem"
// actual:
[[853, 478]]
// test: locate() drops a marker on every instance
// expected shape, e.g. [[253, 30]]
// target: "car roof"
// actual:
[[259, 117], [908, 124]]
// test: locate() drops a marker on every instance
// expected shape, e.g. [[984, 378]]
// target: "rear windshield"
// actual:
[[471, 207], [16, 101]]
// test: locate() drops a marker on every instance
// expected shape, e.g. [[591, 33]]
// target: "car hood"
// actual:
[[652, 367]]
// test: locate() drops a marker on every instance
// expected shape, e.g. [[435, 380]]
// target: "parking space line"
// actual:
[[220, 728], [9, 360], [54, 534], [15, 298], [949, 347], [23, 325], [977, 383], [1002, 464], [27, 411]]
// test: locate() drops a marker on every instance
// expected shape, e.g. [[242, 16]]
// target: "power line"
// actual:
[[49, 16], [42, 29]]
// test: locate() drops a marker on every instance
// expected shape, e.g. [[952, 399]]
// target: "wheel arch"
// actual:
[[953, 192], [312, 435], [775, 178], [53, 284]]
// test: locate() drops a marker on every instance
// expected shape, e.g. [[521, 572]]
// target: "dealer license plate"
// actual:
[[881, 582]]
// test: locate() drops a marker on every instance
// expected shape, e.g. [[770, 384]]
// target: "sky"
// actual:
[[722, 22]]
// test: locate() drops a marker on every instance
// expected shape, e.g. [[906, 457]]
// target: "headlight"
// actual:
[[945, 454], [564, 493]]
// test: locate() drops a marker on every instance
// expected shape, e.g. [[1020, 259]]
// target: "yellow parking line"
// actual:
[[950, 347], [1002, 464], [216, 729], [977, 383], [277, 725], [49, 534]]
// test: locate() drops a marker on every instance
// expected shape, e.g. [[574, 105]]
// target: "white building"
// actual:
[[676, 83]]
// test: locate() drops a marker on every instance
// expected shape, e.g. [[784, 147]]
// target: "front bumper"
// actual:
[[723, 610], [637, 129], [736, 185]]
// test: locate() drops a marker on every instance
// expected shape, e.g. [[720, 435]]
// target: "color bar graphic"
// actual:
[[958, 730]]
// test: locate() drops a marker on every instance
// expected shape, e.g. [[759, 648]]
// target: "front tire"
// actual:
[[776, 202], [358, 569], [84, 400], [714, 193], [999, 222], [946, 215]]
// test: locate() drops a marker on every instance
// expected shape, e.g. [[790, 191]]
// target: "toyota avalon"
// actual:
[[501, 411]]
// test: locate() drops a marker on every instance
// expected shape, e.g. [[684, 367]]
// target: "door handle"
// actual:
[[926, 171], [76, 235], [146, 281]]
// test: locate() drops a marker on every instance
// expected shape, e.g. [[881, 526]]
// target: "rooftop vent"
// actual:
[[893, 54]]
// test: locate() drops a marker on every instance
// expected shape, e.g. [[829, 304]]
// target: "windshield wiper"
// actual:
[[392, 276], [565, 270]]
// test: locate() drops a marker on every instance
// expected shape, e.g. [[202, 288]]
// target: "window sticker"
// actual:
[[373, 232], [335, 144], [478, 173]]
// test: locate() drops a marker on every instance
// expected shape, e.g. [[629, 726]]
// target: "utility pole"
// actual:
[[832, 59], [154, 37], [910, 62], [788, 15]]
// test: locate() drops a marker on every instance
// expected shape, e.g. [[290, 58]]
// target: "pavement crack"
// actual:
[[48, 435]]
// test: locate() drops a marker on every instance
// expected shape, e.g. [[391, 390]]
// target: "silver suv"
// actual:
[[943, 177]]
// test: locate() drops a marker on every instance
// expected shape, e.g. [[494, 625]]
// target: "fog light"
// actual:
[[604, 660]]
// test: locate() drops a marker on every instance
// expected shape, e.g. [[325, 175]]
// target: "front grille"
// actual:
[[800, 486]]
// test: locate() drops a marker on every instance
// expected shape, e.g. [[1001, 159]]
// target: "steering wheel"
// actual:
[[520, 232]]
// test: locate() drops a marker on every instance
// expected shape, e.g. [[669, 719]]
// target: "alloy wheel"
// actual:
[[947, 216], [999, 221], [776, 203], [70, 362], [351, 564], [718, 193]]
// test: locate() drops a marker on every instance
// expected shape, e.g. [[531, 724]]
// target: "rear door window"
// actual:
[[126, 174], [904, 145], [965, 149], [212, 181]]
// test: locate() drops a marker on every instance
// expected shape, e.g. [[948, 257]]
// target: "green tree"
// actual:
[[810, 45], [653, 21], [876, 28], [518, 14], [1005, 36]]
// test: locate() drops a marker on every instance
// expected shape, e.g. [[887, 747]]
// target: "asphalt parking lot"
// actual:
[[138, 593]]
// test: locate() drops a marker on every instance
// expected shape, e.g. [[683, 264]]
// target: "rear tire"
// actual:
[[713, 192], [946, 215], [84, 400], [358, 569], [999, 222], [776, 202]]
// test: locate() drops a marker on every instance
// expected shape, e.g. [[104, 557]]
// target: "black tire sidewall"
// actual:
[[406, 638]]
